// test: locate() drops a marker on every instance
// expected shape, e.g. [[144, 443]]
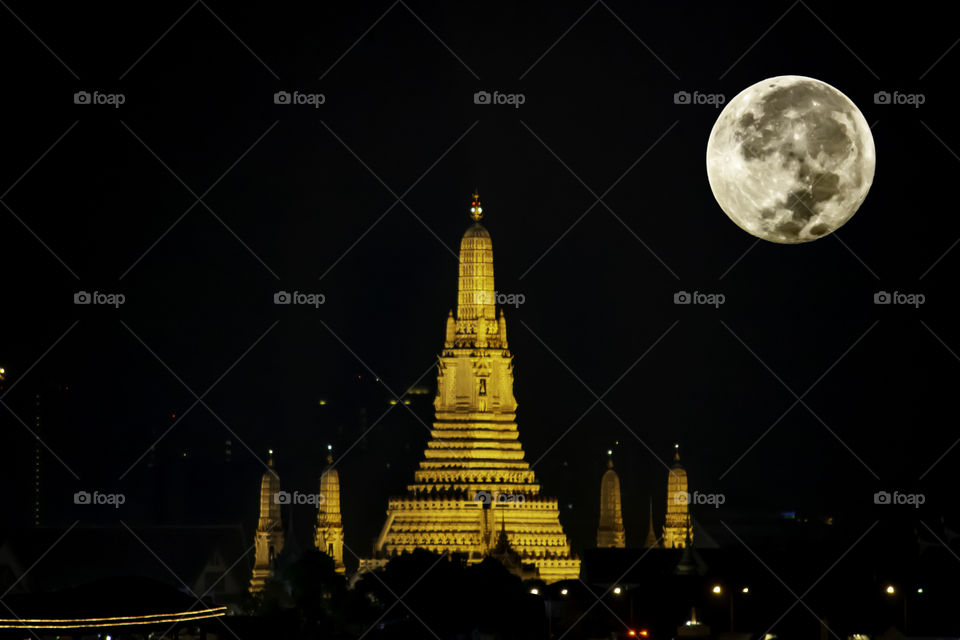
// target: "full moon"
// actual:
[[790, 159]]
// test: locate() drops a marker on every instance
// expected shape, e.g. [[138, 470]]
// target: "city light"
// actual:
[[617, 591], [535, 591], [746, 589], [717, 589], [890, 589], [563, 592]]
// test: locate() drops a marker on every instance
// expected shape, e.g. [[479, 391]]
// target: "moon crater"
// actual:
[[790, 159]]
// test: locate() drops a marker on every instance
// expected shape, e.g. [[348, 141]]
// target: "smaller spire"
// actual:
[[270, 458], [476, 210], [676, 453]]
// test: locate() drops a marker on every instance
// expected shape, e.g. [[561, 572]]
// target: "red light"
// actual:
[[644, 633], [632, 633]]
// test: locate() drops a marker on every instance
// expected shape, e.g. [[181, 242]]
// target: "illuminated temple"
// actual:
[[677, 532], [610, 533], [474, 492], [269, 536]]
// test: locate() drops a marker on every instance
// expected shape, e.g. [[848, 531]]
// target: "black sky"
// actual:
[[316, 195]]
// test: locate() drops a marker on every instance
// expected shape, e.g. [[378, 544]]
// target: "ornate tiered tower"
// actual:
[[676, 530], [328, 532], [473, 480], [610, 533], [269, 536]]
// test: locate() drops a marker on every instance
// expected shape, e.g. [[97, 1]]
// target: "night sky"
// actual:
[[298, 198]]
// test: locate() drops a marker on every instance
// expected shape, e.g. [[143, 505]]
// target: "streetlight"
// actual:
[[617, 591], [891, 591], [718, 590]]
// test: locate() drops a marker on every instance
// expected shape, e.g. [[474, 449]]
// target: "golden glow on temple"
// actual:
[[677, 531], [269, 535], [610, 532], [328, 532], [473, 488]]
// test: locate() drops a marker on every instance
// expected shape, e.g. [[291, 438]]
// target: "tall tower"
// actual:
[[269, 535], [610, 533], [677, 531], [328, 532], [473, 479], [651, 540]]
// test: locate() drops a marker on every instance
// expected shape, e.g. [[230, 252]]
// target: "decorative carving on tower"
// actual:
[[677, 532], [473, 478], [328, 532], [610, 532], [269, 535]]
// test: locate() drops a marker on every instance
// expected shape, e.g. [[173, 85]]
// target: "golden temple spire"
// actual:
[[676, 527], [269, 534], [328, 531], [476, 297], [610, 532]]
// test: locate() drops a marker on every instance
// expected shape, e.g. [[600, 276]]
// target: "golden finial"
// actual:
[[676, 453], [270, 459], [476, 211]]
